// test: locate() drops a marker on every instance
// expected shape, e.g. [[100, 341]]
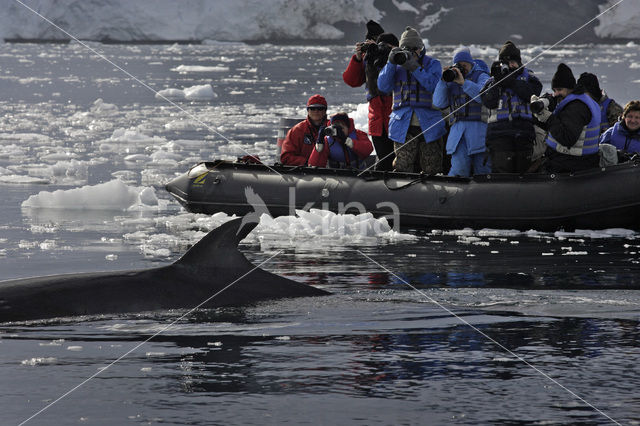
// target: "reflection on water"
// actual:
[[421, 357]]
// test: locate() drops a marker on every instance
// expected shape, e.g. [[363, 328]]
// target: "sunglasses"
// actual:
[[316, 109]]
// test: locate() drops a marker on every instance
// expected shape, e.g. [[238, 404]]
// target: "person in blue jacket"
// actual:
[[625, 134], [466, 140], [415, 126]]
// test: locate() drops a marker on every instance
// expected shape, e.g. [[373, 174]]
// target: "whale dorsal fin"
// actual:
[[219, 247]]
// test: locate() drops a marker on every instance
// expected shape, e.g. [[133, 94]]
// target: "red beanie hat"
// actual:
[[317, 101]]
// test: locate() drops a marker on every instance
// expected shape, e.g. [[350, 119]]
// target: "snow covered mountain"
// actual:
[[440, 21]]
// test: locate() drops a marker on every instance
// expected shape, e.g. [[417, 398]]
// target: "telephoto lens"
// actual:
[[448, 75], [539, 105], [401, 57]]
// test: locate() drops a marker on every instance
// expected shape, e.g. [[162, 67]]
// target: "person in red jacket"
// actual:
[[347, 148], [301, 138], [364, 67]]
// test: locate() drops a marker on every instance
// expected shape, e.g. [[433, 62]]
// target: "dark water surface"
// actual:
[[374, 352]]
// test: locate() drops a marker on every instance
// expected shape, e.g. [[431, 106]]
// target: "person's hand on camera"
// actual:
[[411, 64], [393, 53], [359, 52], [459, 77], [349, 142], [496, 71], [543, 115]]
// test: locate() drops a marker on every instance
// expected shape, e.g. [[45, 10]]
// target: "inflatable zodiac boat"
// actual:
[[595, 199]]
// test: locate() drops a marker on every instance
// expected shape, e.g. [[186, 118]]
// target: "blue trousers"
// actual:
[[462, 163]]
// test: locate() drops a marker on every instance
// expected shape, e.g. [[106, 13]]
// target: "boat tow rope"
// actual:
[[406, 185]]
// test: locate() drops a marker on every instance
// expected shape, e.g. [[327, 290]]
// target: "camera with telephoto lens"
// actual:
[[449, 74], [546, 101], [330, 131], [377, 53], [499, 71], [401, 56]]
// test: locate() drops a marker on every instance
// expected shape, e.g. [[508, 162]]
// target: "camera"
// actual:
[[377, 53], [449, 74], [499, 71], [547, 101], [401, 57], [330, 131]]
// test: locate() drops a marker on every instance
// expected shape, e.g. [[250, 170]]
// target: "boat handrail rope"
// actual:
[[422, 178]]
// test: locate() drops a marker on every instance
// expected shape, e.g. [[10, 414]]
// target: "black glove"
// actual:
[[411, 64], [496, 70], [509, 79]]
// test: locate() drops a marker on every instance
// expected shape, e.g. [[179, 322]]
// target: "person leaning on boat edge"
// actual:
[[466, 140], [610, 110], [301, 139], [625, 134], [573, 127], [510, 131], [365, 65], [415, 127], [348, 148]]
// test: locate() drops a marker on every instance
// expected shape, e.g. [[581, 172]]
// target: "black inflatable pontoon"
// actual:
[[593, 199]]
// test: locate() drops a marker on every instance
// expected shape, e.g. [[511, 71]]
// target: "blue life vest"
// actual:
[[604, 120], [587, 142], [510, 105], [341, 156], [472, 109], [623, 140], [408, 92]]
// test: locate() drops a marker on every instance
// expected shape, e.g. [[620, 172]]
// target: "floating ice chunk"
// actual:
[[101, 107], [134, 136], [148, 197], [22, 179], [184, 69], [39, 361], [174, 94], [183, 125], [113, 195], [200, 93]]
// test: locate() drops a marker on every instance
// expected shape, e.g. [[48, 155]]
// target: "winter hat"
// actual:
[[317, 101], [590, 83], [373, 30], [509, 52], [341, 116], [563, 78], [411, 39], [462, 54], [389, 38]]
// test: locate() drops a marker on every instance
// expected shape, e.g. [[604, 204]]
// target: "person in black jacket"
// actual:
[[510, 132], [573, 127]]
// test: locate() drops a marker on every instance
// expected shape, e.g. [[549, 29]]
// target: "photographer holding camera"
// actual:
[[415, 126], [459, 88], [510, 131], [573, 127], [365, 65], [341, 145], [610, 110], [301, 138]]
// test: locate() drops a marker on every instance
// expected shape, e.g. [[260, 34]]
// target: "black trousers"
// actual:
[[510, 154], [384, 151]]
